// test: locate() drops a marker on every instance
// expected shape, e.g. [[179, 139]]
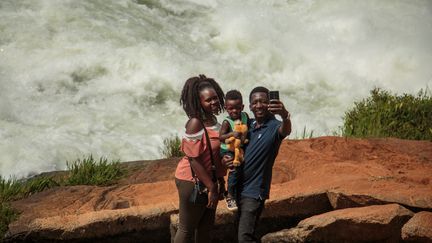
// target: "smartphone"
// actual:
[[274, 95]]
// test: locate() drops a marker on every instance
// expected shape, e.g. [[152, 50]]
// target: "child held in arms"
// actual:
[[232, 135]]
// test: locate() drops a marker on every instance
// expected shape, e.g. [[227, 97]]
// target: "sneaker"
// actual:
[[231, 203]]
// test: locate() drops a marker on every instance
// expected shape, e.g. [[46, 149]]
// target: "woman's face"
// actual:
[[209, 101]]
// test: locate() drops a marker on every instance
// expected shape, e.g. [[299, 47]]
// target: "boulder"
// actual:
[[96, 214], [340, 200], [381, 223], [418, 228], [297, 205], [311, 177], [276, 215], [136, 223], [357, 172]]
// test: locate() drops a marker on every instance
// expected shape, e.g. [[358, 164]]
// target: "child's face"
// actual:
[[234, 108]]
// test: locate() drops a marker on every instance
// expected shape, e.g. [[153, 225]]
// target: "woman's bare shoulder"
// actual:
[[194, 125]]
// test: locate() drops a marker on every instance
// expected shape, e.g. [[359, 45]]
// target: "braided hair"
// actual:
[[190, 96]]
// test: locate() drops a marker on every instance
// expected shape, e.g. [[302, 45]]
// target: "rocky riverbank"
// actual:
[[327, 189]]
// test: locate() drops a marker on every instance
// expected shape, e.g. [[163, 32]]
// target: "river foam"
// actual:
[[104, 76]]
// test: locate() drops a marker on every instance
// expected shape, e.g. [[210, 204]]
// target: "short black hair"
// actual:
[[258, 90], [234, 95], [190, 99]]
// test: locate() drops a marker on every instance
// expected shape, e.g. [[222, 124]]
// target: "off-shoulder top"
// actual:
[[195, 146]]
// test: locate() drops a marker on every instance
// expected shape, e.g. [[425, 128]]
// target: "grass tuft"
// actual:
[[81, 172], [388, 115], [10, 189], [7, 215], [91, 172], [171, 147], [305, 134]]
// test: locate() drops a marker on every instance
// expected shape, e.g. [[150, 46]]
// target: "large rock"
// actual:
[[340, 200], [277, 214], [139, 223], [357, 172], [96, 214], [310, 177], [381, 223], [418, 228]]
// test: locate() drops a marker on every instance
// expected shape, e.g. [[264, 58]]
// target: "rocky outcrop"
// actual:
[[340, 200], [150, 224], [371, 224], [311, 177], [277, 214], [418, 228]]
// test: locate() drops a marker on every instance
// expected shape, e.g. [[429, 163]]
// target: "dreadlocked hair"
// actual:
[[190, 96]]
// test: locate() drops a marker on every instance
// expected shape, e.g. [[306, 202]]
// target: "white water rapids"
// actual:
[[103, 77]]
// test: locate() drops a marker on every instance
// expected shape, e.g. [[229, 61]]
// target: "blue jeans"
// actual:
[[249, 212], [232, 183]]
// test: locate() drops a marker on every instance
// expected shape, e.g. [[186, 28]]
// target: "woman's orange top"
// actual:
[[195, 146]]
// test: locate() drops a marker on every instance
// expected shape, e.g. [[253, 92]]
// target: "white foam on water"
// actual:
[[104, 77]]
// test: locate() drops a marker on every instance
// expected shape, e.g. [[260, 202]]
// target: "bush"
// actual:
[[89, 172], [13, 189], [38, 184], [171, 147], [81, 172], [7, 215], [386, 115], [9, 189]]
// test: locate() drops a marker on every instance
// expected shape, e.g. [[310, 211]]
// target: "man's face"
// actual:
[[259, 105], [234, 108]]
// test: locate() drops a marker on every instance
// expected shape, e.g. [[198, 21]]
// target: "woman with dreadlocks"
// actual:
[[200, 169]]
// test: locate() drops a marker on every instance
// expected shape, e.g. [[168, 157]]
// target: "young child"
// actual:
[[234, 106]]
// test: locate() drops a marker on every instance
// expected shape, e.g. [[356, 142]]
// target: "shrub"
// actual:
[[386, 115], [7, 215], [171, 147], [82, 172], [13, 189], [10, 189], [90, 172], [38, 184]]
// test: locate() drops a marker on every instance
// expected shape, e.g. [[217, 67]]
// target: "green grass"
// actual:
[[7, 215], [305, 134], [171, 147], [88, 171], [13, 189], [9, 189], [389, 115]]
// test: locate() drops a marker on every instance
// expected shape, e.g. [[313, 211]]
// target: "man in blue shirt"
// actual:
[[265, 136]]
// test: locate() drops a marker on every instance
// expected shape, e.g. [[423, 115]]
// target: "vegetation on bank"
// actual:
[[91, 172], [171, 147], [389, 115], [86, 171], [7, 215]]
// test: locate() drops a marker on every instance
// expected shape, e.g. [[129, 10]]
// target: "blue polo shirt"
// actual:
[[260, 153]]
